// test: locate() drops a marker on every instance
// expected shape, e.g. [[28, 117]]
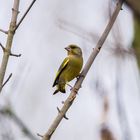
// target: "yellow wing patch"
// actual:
[[60, 70]]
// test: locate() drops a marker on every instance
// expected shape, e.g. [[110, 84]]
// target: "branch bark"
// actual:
[[9, 41], [75, 89]]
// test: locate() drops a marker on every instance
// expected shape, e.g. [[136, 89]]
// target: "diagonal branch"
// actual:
[[7, 80], [30, 6], [75, 89]]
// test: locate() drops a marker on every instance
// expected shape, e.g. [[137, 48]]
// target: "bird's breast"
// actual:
[[73, 68]]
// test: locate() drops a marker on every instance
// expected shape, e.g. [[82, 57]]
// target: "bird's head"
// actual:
[[74, 50]]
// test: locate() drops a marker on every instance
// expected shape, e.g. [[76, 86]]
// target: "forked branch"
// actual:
[[11, 32], [9, 41]]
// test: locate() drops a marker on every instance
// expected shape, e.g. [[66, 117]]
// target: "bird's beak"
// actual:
[[67, 48]]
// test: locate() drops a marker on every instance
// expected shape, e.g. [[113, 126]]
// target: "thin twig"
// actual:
[[2, 47], [72, 96], [7, 80], [39, 135], [79, 31], [30, 6], [16, 55], [3, 31]]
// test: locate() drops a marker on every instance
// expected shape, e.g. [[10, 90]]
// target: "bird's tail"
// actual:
[[61, 88], [56, 91]]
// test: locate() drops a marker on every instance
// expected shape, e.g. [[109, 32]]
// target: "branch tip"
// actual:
[[2, 47], [39, 135], [16, 55], [7, 80]]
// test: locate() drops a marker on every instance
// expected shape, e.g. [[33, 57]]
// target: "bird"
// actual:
[[69, 69]]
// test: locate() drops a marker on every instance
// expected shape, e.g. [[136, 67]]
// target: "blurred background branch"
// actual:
[[11, 115], [28, 9]]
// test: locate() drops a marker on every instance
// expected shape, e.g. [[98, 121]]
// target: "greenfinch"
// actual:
[[69, 69]]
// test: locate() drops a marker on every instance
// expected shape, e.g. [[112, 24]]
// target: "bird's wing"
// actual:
[[60, 70]]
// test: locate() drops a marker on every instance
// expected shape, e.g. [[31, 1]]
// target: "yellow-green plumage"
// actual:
[[69, 69]]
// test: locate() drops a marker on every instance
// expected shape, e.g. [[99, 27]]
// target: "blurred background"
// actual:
[[107, 105]]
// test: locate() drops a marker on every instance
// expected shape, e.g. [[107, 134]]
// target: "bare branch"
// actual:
[[7, 80], [72, 96], [2, 47], [30, 6], [16, 55], [3, 31], [11, 32]]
